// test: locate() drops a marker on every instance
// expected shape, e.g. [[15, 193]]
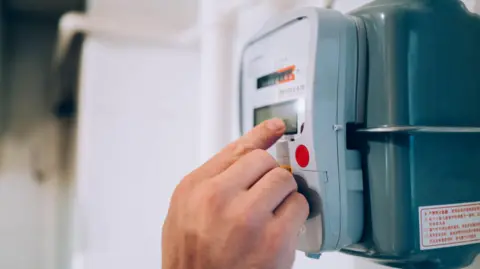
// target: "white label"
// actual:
[[449, 225]]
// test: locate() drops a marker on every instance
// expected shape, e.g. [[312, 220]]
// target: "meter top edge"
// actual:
[[311, 13]]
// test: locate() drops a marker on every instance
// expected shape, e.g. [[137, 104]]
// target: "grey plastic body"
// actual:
[[330, 103], [422, 106]]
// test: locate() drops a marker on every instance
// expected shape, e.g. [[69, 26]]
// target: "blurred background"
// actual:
[[104, 106]]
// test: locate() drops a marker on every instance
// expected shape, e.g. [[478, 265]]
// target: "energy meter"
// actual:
[[383, 126]]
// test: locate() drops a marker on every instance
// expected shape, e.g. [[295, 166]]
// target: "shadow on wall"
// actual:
[[34, 159]]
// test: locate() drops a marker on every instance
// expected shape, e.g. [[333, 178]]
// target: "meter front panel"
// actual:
[[302, 68], [275, 84], [274, 79]]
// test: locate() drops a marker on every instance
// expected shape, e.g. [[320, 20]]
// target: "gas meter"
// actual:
[[383, 126]]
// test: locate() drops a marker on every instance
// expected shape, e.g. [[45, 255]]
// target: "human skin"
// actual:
[[239, 210]]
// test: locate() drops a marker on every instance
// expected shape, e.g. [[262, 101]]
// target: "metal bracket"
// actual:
[[419, 129]]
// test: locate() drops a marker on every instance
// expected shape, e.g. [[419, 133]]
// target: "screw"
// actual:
[[337, 127]]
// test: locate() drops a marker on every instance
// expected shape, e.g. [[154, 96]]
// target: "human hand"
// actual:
[[238, 211]]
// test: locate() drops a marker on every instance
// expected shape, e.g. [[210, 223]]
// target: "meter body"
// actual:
[[288, 60], [383, 126]]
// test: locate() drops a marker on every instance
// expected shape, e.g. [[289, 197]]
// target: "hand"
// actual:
[[237, 211]]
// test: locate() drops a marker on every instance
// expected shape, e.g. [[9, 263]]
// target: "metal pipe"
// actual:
[[74, 23], [421, 129]]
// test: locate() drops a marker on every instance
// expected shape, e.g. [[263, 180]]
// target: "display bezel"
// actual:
[[293, 103]]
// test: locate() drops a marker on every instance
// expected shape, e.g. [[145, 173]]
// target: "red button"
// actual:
[[302, 156]]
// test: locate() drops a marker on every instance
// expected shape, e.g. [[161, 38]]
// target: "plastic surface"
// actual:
[[423, 70], [333, 105], [332, 172]]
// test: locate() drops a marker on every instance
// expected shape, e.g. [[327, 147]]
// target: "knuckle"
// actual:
[[277, 231], [264, 157], [212, 195], [298, 198], [231, 147], [239, 149], [246, 220], [283, 177], [284, 173], [181, 190], [277, 238], [301, 202]]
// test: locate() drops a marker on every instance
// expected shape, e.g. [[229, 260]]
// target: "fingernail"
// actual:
[[275, 124]]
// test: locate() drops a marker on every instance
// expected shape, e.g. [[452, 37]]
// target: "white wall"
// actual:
[[166, 13], [137, 140]]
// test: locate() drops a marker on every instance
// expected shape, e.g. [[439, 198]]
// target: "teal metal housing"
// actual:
[[423, 94]]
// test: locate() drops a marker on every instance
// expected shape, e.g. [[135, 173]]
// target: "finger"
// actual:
[[248, 170], [263, 136], [293, 213], [271, 190]]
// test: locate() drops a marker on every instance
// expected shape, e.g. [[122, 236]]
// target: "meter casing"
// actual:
[[423, 75], [329, 60], [415, 124]]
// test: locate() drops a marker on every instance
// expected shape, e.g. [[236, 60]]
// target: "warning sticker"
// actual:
[[449, 225]]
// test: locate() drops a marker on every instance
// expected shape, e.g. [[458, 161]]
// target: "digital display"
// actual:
[[281, 76], [287, 111]]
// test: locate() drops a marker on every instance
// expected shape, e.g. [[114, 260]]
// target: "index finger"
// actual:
[[263, 136]]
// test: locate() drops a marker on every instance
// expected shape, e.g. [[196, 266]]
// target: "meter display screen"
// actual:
[[287, 111], [283, 75]]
